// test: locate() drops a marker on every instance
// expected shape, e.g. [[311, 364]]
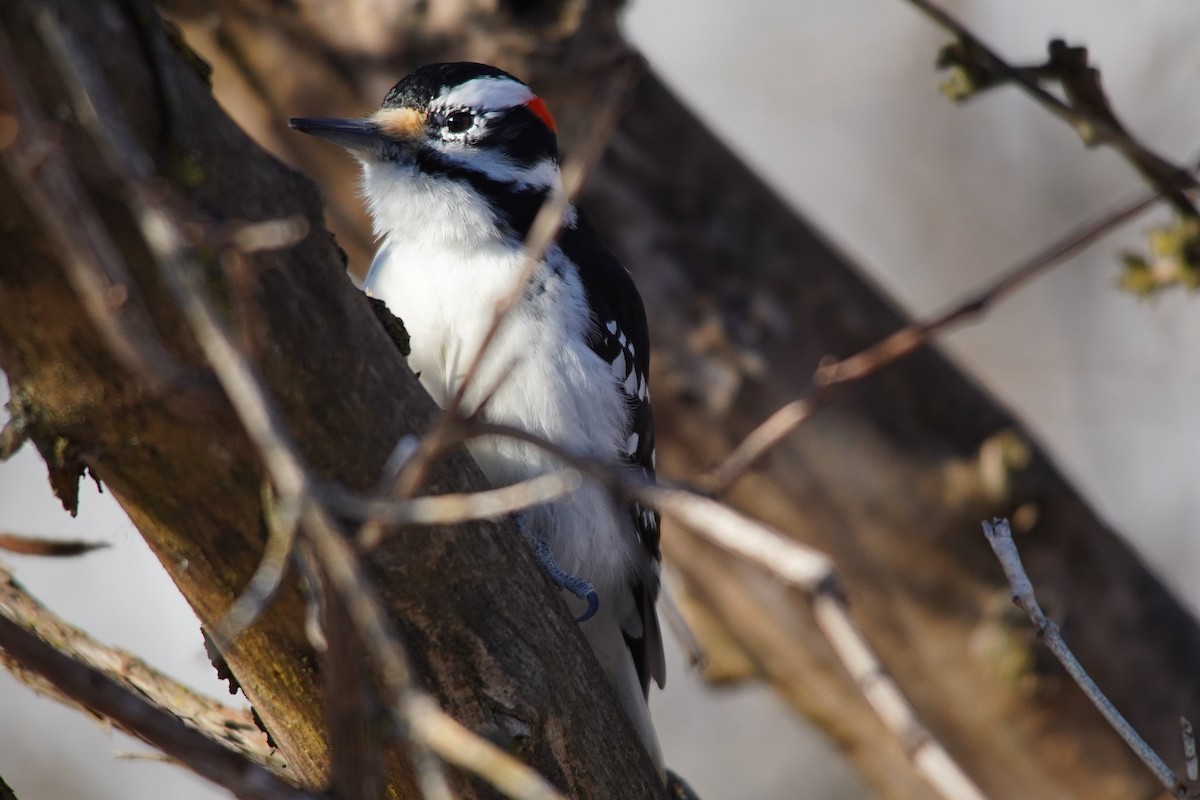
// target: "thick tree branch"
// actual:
[[489, 638]]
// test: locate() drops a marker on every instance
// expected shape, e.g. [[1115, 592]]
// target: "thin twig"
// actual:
[[282, 519], [918, 334], [55, 548], [999, 536], [911, 338], [1167, 179], [145, 755], [449, 509], [929, 757]]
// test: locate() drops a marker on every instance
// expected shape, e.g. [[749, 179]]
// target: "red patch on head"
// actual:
[[541, 112]]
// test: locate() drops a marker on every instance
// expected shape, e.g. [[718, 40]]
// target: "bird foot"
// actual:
[[563, 580], [576, 586]]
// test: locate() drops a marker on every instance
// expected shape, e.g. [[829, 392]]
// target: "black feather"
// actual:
[[619, 335]]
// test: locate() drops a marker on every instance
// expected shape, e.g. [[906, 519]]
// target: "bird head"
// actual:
[[451, 143]]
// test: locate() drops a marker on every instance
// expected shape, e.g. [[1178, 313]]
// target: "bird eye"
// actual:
[[459, 121]]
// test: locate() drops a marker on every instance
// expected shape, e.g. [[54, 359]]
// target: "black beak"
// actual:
[[358, 135]]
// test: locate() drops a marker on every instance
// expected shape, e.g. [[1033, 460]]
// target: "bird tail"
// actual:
[[603, 633]]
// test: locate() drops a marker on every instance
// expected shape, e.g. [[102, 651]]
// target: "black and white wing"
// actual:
[[621, 338]]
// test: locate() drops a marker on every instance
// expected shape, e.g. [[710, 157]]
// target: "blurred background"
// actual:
[[834, 102]]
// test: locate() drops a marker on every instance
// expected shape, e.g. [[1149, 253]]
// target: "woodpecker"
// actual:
[[455, 165]]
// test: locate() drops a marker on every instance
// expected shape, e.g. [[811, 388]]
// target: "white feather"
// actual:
[[492, 91], [442, 268]]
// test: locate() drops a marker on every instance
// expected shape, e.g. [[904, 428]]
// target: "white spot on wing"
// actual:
[[612, 326], [631, 444], [631, 384], [618, 365]]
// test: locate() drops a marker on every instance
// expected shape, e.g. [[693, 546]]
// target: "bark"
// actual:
[[485, 632], [744, 299]]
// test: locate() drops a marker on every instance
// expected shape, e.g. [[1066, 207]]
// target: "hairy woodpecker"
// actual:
[[456, 164]]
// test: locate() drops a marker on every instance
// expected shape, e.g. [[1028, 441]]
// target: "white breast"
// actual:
[[443, 281]]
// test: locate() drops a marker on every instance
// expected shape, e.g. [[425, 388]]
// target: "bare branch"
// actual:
[[999, 536], [55, 548], [1089, 112], [913, 337], [919, 334], [220, 744], [811, 571], [219, 764], [268, 577], [447, 509], [1167, 184]]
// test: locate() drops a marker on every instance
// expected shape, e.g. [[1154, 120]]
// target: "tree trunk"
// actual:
[[484, 629]]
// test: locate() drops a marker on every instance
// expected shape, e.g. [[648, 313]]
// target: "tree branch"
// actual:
[[217, 743], [1088, 110], [913, 336], [999, 535], [55, 548]]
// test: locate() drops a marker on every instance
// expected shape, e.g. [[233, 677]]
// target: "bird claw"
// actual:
[[576, 586]]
